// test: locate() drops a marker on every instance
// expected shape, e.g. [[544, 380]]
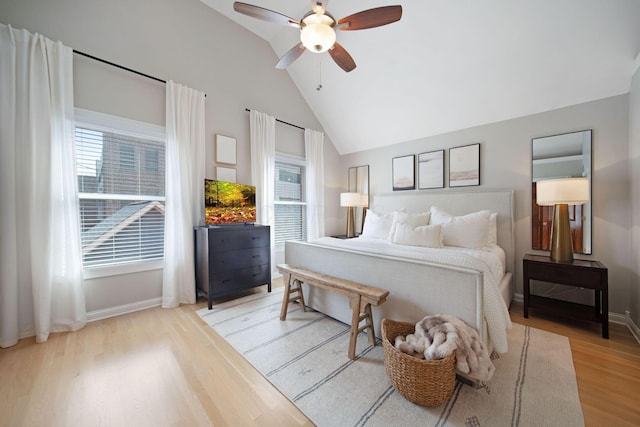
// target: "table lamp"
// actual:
[[350, 200], [560, 193]]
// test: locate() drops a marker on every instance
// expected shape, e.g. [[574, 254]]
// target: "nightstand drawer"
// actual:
[[559, 274]]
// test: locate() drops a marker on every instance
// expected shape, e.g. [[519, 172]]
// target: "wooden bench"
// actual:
[[361, 297]]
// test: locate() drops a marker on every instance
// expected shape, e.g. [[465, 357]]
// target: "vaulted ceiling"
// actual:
[[450, 65]]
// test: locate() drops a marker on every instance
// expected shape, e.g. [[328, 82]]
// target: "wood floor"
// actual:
[[164, 367]]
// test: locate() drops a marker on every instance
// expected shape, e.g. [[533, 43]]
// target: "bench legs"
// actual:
[[361, 311], [291, 286]]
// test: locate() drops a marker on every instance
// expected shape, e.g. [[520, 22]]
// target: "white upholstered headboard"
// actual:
[[459, 203]]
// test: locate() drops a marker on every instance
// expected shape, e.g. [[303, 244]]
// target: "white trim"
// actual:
[[119, 310], [636, 64], [107, 122], [289, 202], [117, 269], [116, 196], [291, 158], [635, 330]]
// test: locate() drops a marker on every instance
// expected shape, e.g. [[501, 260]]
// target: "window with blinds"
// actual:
[[121, 195], [289, 205]]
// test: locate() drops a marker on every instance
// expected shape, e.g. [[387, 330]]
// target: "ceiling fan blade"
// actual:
[[291, 55], [265, 14], [319, 7], [371, 18], [342, 57]]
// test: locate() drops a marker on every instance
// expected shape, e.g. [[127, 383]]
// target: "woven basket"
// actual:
[[423, 382]]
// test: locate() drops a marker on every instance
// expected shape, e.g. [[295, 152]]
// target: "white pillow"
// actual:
[[377, 226], [415, 220], [429, 236], [493, 229], [468, 231], [438, 216]]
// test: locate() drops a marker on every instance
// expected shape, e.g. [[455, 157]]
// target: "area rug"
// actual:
[[305, 357]]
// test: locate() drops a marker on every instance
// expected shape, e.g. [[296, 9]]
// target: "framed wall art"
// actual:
[[404, 172], [464, 166], [225, 149], [431, 170], [226, 174]]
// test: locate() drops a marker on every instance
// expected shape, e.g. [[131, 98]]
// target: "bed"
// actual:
[[449, 282]]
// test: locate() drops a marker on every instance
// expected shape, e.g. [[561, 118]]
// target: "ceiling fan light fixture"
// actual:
[[317, 33], [318, 37]]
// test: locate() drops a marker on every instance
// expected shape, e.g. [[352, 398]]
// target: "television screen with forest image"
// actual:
[[228, 202]]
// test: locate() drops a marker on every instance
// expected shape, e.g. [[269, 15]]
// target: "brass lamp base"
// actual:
[[561, 241], [351, 228]]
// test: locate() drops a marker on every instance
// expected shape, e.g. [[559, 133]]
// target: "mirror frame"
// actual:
[[359, 183], [547, 156]]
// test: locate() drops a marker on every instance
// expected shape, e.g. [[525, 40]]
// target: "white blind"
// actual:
[[289, 206], [121, 194]]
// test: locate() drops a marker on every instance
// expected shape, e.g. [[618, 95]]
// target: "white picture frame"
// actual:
[[225, 174], [226, 150]]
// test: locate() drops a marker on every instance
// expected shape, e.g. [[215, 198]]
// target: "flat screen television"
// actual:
[[228, 202]]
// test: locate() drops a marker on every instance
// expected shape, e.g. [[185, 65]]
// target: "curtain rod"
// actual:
[[282, 121], [122, 67]]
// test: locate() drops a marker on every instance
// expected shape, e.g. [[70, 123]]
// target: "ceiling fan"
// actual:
[[317, 29]]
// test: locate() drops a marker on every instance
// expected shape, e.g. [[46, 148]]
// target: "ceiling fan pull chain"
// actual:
[[319, 74]]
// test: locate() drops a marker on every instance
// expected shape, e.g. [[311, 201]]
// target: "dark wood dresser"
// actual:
[[231, 259], [580, 273]]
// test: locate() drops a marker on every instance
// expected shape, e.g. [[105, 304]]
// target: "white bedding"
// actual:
[[489, 260]]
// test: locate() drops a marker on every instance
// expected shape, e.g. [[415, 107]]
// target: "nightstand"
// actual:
[[580, 273]]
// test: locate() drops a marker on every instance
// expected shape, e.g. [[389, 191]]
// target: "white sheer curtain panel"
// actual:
[[184, 192], [40, 257], [314, 152], [263, 162]]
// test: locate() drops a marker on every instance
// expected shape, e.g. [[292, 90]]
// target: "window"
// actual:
[[289, 204], [120, 171], [151, 160]]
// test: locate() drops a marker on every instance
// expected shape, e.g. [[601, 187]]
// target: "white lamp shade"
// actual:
[[364, 200], [349, 199], [569, 191]]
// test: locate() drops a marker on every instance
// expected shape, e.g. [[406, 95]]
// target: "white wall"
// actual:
[[506, 163], [180, 40], [634, 167]]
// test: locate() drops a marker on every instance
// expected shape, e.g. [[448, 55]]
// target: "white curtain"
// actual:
[[184, 194], [263, 162], [40, 257], [314, 152]]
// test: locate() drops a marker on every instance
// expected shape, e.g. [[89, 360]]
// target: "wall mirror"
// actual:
[[561, 156], [359, 183]]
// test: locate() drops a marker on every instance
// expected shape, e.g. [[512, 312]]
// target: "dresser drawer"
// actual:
[[223, 241], [241, 278], [238, 258]]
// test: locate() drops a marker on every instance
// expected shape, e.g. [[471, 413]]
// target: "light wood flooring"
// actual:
[[164, 367]]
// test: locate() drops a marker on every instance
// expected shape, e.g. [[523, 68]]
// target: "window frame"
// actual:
[[107, 123], [297, 161]]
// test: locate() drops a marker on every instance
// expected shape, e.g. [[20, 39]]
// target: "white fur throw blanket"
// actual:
[[438, 336]]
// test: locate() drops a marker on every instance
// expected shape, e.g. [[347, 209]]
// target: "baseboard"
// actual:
[[635, 330], [620, 319], [105, 313]]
